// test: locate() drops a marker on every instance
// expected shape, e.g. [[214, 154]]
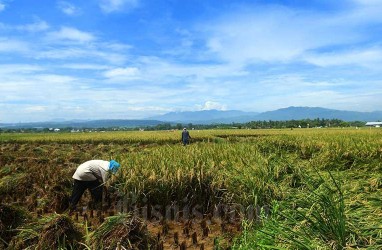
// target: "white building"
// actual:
[[374, 124]]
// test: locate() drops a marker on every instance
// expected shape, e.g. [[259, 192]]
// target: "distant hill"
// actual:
[[290, 113], [206, 116], [298, 113], [211, 117], [84, 124]]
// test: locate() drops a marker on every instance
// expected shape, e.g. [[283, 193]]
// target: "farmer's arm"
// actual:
[[100, 173], [104, 175]]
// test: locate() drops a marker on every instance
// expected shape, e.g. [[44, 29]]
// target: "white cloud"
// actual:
[[87, 66], [368, 2], [68, 8], [34, 27], [157, 69], [149, 108], [2, 6], [63, 96], [208, 105], [71, 34], [37, 26], [268, 34], [122, 73], [370, 57], [19, 69], [359, 13], [36, 108], [11, 45], [109, 6], [278, 34], [116, 46], [94, 53], [54, 78], [294, 83]]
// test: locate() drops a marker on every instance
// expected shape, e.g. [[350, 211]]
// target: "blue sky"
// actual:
[[131, 59]]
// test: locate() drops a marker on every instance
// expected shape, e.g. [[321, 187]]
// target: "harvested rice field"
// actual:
[[228, 189]]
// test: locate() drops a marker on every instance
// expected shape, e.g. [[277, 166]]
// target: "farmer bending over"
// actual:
[[91, 175]]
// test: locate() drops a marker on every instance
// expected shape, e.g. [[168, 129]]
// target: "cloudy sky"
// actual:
[[137, 58]]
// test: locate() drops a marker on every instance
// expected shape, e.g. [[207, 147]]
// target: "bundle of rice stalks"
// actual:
[[10, 218], [15, 184], [53, 232], [60, 231], [59, 197], [126, 229]]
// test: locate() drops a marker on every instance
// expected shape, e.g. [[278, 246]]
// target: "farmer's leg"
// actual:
[[79, 188], [96, 193]]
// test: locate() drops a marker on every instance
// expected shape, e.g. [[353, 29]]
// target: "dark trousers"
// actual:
[[79, 187]]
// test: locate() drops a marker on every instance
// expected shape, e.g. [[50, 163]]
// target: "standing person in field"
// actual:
[[91, 175], [185, 137]]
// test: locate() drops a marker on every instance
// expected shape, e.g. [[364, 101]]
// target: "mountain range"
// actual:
[[207, 116], [284, 114], [211, 117]]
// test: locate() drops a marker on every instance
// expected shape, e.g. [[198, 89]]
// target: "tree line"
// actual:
[[304, 123]]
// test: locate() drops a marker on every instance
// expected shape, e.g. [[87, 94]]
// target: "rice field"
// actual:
[[228, 189]]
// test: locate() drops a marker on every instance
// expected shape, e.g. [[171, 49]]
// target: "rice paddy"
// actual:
[[228, 189]]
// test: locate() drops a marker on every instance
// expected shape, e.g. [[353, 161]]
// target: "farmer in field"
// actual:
[[185, 137], [91, 175]]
